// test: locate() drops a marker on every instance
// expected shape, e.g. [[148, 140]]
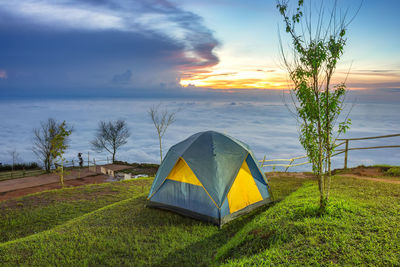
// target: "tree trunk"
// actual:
[[113, 156], [320, 147], [62, 174], [159, 139], [47, 164]]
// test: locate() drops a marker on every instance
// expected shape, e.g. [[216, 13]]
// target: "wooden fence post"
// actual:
[[345, 153], [291, 160]]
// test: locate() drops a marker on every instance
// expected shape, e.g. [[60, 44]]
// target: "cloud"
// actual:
[[123, 78], [140, 16], [266, 126], [74, 44]]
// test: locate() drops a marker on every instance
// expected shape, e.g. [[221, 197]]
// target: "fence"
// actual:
[[345, 142], [90, 162], [347, 149], [282, 165]]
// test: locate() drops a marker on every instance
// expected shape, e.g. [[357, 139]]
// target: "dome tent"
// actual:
[[209, 176]]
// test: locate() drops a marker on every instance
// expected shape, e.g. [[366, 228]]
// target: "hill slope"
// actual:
[[361, 227]]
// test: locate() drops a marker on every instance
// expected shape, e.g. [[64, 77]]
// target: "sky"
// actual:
[[174, 48]]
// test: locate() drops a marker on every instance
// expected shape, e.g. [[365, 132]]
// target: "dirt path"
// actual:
[[70, 183], [371, 179], [27, 185]]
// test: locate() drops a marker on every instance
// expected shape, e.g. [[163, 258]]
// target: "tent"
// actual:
[[209, 176]]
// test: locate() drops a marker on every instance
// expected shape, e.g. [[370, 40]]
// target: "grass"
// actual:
[[361, 227], [42, 211], [85, 230], [7, 175]]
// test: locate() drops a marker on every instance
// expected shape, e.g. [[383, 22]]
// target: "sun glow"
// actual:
[[254, 78]]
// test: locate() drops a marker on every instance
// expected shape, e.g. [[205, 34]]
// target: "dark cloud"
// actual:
[[123, 78], [82, 46]]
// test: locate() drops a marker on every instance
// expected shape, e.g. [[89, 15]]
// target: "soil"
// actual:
[[20, 187], [14, 188], [373, 179], [360, 172], [302, 175]]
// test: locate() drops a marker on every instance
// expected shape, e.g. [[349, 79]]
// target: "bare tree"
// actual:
[[111, 136], [14, 158], [162, 118], [42, 141]]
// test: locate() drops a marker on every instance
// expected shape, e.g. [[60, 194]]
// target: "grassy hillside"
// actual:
[[361, 227], [122, 233], [42, 211]]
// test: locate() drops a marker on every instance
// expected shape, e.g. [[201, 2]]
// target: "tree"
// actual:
[[318, 103], [42, 141], [161, 118], [14, 158], [58, 147], [111, 136]]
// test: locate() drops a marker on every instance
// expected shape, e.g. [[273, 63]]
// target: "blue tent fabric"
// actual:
[[215, 159]]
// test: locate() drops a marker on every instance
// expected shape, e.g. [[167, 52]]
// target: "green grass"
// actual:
[[7, 175], [42, 211], [361, 227], [124, 233]]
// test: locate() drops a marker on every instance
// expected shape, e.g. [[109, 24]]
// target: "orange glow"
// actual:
[[276, 79], [243, 79]]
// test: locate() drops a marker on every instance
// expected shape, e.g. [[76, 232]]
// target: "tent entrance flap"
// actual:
[[244, 190]]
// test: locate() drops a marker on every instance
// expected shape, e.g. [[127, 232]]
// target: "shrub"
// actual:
[[20, 166], [394, 171]]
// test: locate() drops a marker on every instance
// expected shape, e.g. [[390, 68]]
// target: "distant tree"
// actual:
[[316, 48], [58, 147], [110, 136], [161, 118], [14, 158], [42, 141]]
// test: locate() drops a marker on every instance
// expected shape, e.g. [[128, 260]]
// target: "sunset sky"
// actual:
[[160, 48]]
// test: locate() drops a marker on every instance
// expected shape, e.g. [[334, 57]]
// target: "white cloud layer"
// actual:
[[267, 127]]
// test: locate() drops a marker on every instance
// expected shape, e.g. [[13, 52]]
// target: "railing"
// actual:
[[282, 165], [89, 161], [347, 149], [339, 151]]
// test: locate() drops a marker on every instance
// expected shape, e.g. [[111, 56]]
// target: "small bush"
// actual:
[[19, 166], [394, 171]]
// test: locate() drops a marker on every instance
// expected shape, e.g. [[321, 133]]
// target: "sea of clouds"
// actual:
[[268, 127]]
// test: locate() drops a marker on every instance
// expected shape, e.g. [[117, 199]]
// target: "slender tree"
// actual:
[[161, 118], [110, 136], [58, 147], [316, 49], [42, 141], [14, 158]]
